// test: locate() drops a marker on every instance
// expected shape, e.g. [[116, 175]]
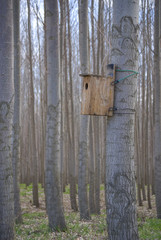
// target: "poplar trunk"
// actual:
[[16, 118], [53, 192], [6, 121], [157, 134], [84, 121], [120, 169]]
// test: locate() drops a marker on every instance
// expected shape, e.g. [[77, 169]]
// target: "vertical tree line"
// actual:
[[6, 121]]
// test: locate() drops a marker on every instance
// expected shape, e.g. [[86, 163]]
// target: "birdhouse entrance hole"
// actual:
[[98, 93]]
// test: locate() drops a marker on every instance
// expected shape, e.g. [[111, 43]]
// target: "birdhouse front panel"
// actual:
[[97, 95]]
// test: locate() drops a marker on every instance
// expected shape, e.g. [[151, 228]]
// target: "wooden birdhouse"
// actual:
[[98, 93]]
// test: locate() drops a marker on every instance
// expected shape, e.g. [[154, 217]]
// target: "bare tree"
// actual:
[[84, 122], [71, 124], [157, 138], [120, 170], [92, 155], [52, 162], [16, 118], [6, 120], [32, 107]]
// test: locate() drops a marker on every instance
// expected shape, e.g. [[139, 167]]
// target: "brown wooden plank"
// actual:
[[97, 95]]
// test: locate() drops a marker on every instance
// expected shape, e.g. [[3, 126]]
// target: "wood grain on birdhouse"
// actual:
[[98, 93]]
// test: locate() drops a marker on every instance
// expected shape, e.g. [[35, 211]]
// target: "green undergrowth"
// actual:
[[67, 188], [27, 190], [35, 222], [150, 229], [35, 226]]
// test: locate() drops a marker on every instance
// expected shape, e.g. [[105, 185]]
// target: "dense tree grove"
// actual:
[[45, 48]]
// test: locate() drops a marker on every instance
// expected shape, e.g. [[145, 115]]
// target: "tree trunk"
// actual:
[[6, 120], [97, 163], [148, 110], [120, 169], [84, 122], [92, 157], [62, 93], [41, 139], [53, 192], [138, 160], [157, 133], [72, 170], [97, 121], [93, 42], [66, 118], [33, 129], [16, 118]]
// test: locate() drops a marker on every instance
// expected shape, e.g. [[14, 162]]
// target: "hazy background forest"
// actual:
[[89, 163], [99, 32]]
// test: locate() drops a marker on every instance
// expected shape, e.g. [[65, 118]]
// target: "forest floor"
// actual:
[[35, 222]]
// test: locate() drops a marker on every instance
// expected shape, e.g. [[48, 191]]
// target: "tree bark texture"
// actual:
[[6, 120], [42, 106], [52, 162], [157, 133], [72, 160], [120, 169], [16, 118], [97, 163], [32, 109], [148, 109], [84, 121], [91, 168]]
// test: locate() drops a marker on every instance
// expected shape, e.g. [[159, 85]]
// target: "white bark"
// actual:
[[34, 155], [52, 162], [71, 122], [120, 175], [92, 157], [84, 121]]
